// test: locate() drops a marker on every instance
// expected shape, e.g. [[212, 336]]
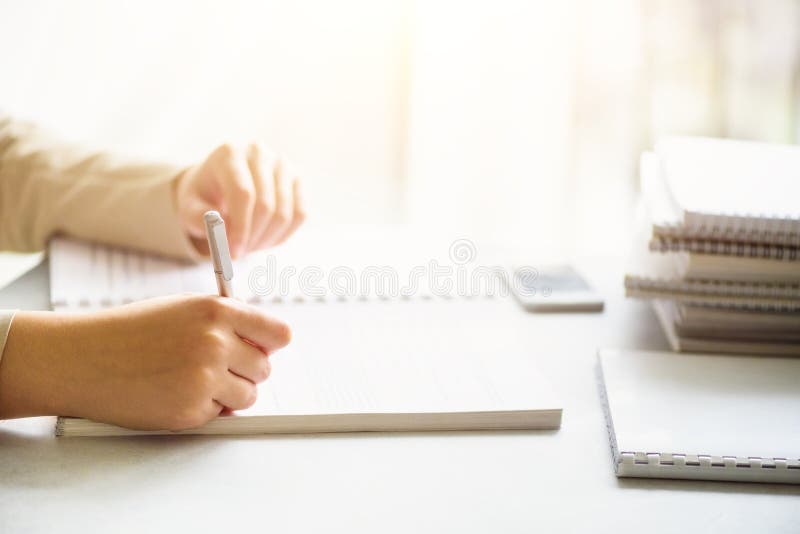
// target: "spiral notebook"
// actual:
[[708, 417], [735, 262], [364, 362], [655, 275], [725, 248], [764, 340], [727, 190], [380, 366]]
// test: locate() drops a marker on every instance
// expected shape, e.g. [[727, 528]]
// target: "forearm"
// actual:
[[31, 369], [171, 362], [49, 187]]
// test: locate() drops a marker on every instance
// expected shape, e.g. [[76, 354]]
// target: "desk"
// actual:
[[554, 481]]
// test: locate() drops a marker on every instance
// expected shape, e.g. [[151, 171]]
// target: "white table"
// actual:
[[553, 481]]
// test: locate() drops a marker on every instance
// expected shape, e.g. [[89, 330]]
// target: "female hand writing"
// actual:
[[166, 363]]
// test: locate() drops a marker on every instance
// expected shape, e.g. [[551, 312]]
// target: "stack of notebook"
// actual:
[[719, 242]]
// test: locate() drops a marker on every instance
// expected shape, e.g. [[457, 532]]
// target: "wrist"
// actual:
[[37, 351]]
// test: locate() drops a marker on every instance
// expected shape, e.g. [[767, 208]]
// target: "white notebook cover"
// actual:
[[738, 190], [723, 190], [747, 179], [711, 417]]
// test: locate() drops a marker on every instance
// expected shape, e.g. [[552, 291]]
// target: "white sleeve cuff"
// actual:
[[5, 324]]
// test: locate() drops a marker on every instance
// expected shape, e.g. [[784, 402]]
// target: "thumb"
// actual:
[[192, 216]]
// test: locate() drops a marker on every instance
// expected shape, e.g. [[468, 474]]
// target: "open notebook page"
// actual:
[[400, 357], [395, 357]]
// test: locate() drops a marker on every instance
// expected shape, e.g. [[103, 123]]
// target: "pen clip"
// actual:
[[218, 245], [221, 253]]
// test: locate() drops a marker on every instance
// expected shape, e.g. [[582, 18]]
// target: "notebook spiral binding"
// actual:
[[754, 227], [714, 294], [781, 232], [87, 304], [716, 287], [665, 244], [681, 465], [658, 459], [723, 302]]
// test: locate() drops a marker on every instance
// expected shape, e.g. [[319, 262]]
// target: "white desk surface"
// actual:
[[553, 481]]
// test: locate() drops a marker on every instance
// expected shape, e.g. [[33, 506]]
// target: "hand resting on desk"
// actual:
[[166, 363]]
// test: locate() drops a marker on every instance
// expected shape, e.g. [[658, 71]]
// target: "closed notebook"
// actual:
[[698, 266], [728, 190], [728, 256], [707, 417], [731, 249], [710, 318], [698, 321], [685, 336], [661, 276]]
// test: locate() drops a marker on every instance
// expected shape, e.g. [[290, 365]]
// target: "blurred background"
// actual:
[[516, 121]]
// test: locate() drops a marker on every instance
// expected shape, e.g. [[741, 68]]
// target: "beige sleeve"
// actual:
[[49, 187]]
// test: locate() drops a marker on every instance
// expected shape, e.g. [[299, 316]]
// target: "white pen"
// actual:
[[220, 254]]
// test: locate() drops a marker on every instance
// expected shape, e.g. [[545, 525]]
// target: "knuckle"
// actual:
[[210, 308], [265, 206], [203, 379], [282, 217], [264, 371], [260, 151], [251, 396], [283, 333], [215, 343], [299, 215], [243, 189], [255, 148], [226, 150]]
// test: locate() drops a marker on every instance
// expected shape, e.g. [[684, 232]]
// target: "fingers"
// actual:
[[234, 350], [235, 392], [256, 192], [238, 191], [195, 207], [215, 409], [284, 206], [279, 208], [261, 163], [299, 214], [249, 362], [265, 332]]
